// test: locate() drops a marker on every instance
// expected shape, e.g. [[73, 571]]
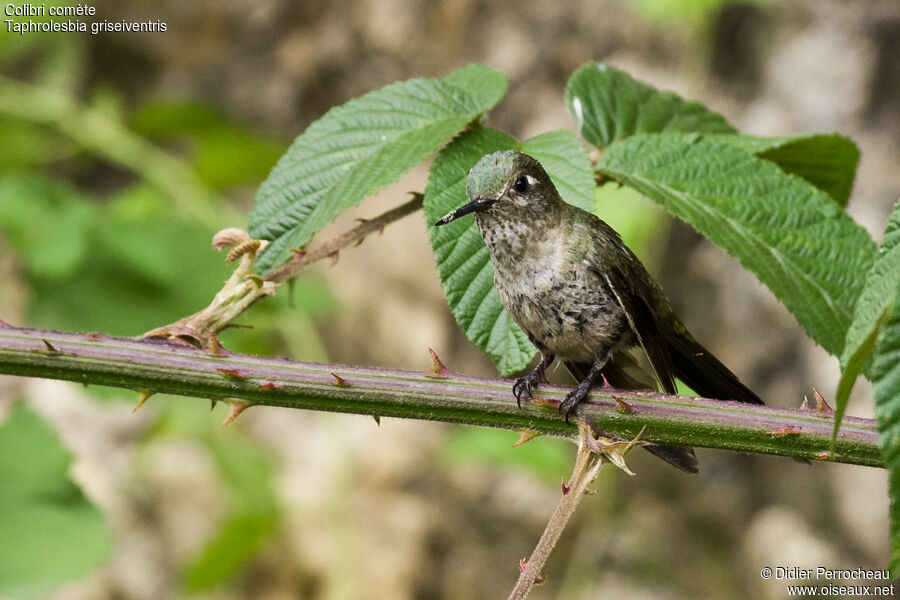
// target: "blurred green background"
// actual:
[[122, 153]]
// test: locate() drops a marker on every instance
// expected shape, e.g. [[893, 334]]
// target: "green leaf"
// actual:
[[872, 310], [826, 161], [51, 532], [564, 159], [462, 258], [880, 289], [886, 384], [482, 84], [608, 104], [794, 237], [358, 148]]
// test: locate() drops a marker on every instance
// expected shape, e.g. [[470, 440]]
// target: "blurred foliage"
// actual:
[[102, 250], [245, 471], [689, 12], [58, 533], [90, 267], [543, 457], [223, 154]]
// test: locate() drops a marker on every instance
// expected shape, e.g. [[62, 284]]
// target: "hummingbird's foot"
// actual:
[[523, 386], [570, 404]]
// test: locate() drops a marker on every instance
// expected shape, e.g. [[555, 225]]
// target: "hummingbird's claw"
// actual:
[[569, 406], [523, 386]]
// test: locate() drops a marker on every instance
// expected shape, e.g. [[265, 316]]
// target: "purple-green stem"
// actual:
[[165, 366], [587, 466]]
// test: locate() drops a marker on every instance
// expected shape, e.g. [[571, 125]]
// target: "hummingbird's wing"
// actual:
[[636, 297], [672, 350]]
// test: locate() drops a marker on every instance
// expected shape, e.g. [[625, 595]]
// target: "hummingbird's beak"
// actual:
[[475, 205]]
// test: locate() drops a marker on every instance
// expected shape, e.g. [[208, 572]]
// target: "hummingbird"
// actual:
[[581, 295]]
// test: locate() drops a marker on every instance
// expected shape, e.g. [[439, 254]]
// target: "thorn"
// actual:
[[363, 222], [4, 324], [614, 451], [523, 562], [359, 241], [215, 347], [237, 407], [606, 385], [298, 252], [233, 374], [270, 385], [250, 247], [141, 399], [377, 419], [546, 404], [805, 405], [340, 381], [823, 456], [49, 347], [821, 405], [438, 370], [526, 435], [623, 407], [565, 489], [787, 430], [186, 338], [212, 403], [334, 257]]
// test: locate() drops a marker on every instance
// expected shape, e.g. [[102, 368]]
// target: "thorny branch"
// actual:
[[593, 452], [244, 288], [166, 366], [162, 362], [355, 235]]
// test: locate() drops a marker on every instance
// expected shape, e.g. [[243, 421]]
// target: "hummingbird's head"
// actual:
[[503, 181]]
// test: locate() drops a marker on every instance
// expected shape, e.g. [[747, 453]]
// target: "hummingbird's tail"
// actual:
[[691, 363], [704, 373], [623, 372]]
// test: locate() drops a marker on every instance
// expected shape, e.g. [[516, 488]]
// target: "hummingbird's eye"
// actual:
[[522, 184]]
